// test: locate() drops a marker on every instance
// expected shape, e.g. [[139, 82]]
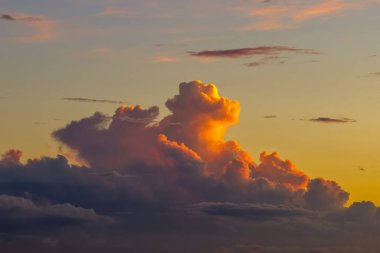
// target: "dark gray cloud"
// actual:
[[325, 195], [20, 214], [251, 210], [254, 248], [332, 120], [7, 17], [90, 100]]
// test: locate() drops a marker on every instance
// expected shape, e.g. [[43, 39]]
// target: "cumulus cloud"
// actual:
[[281, 172], [186, 150], [174, 180], [325, 195]]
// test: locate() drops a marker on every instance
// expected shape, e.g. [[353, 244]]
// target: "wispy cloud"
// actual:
[[266, 25], [284, 15], [43, 26], [272, 10], [103, 54], [374, 74], [90, 100], [332, 120], [107, 53], [270, 117], [250, 51], [161, 58], [116, 12], [325, 8], [22, 18], [274, 59]]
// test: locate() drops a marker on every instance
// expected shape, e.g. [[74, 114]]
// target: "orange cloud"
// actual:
[[177, 149], [281, 172]]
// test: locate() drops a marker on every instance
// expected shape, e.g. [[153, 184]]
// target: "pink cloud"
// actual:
[[43, 26], [118, 12], [326, 8], [285, 15]]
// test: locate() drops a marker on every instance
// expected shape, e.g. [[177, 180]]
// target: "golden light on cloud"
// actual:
[[281, 156]]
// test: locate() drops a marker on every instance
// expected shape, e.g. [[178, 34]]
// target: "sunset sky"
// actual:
[[190, 84]]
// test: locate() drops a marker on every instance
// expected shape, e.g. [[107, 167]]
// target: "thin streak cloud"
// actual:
[[160, 58], [90, 100], [12, 18], [116, 12], [251, 51], [375, 74], [332, 120], [270, 116]]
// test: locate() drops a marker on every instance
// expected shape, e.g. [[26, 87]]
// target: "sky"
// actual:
[[199, 126]]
